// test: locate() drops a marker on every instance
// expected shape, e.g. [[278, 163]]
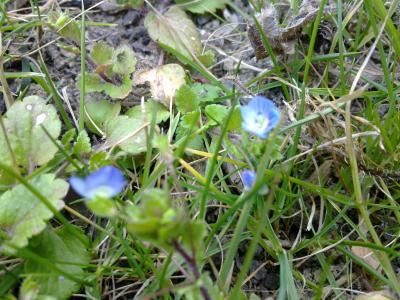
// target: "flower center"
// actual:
[[260, 121], [103, 191]]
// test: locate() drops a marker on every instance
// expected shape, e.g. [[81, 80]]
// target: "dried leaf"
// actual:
[[281, 39], [367, 255], [164, 81], [373, 296]]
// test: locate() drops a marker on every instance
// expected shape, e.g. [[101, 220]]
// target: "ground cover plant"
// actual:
[[231, 149]]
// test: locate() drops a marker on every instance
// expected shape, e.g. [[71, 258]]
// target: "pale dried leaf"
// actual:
[[373, 296], [164, 81], [367, 255]]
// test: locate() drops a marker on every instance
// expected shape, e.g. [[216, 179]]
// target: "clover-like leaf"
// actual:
[[123, 60], [29, 143], [68, 252], [164, 81], [202, 6], [162, 114], [126, 133], [23, 215], [175, 30], [101, 53]]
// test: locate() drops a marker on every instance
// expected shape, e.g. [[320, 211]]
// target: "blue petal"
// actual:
[[248, 177], [107, 180], [259, 106], [79, 185]]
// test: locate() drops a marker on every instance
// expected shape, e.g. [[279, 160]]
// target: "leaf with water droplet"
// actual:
[[29, 142]]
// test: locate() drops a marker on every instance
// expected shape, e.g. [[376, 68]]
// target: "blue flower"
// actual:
[[260, 116], [106, 182], [248, 177]]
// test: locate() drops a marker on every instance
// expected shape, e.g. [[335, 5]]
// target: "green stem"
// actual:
[[83, 73]]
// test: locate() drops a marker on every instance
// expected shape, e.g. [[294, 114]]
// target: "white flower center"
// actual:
[[103, 191], [259, 122]]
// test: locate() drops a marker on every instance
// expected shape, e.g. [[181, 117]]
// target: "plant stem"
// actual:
[[6, 89], [191, 261], [83, 73]]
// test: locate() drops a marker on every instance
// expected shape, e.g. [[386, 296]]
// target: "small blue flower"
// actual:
[[248, 177], [260, 116], [106, 182]]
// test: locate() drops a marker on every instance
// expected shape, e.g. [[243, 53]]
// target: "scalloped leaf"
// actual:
[[175, 30], [28, 141], [82, 144], [22, 215], [57, 245], [93, 83], [119, 91], [123, 60], [202, 6], [101, 53]]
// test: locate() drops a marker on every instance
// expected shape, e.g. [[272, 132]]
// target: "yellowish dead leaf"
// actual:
[[164, 81], [373, 296], [367, 255]]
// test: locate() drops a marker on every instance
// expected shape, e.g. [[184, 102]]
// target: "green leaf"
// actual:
[[29, 143], [162, 114], [119, 91], [186, 100], [131, 3], [123, 60], [92, 83], [99, 112], [189, 119], [218, 113], [202, 6], [186, 128], [208, 58], [102, 207], [101, 53], [206, 92], [65, 26], [98, 160], [82, 145], [175, 30], [68, 253], [67, 138], [127, 133], [22, 215], [29, 289]]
